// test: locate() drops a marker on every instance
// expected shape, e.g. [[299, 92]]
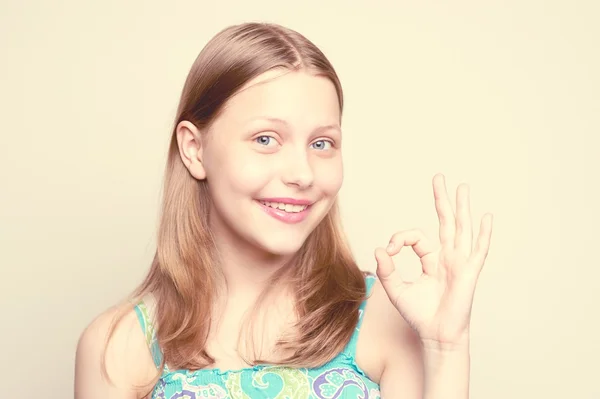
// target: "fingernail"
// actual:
[[390, 246]]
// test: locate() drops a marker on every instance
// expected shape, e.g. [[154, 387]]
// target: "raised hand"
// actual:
[[438, 304]]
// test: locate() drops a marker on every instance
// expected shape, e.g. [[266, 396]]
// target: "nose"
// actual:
[[298, 171]]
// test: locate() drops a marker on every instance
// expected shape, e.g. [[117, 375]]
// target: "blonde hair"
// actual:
[[327, 284]]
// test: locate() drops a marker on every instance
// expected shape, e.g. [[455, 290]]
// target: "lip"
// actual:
[[283, 216], [291, 201]]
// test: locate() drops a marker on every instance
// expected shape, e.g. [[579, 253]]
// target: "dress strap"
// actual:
[[144, 313], [350, 349]]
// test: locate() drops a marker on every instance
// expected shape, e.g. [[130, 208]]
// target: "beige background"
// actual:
[[502, 95]]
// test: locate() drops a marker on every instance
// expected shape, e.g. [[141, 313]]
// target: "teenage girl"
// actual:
[[253, 292]]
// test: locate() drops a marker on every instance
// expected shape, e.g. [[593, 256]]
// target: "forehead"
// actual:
[[298, 97]]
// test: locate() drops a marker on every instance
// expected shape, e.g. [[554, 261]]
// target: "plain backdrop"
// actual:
[[503, 95]]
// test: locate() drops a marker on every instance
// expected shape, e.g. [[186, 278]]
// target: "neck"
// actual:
[[247, 269]]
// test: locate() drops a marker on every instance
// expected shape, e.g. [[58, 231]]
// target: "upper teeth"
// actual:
[[285, 207]]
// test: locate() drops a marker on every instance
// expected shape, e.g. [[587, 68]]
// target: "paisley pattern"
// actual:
[[341, 378], [289, 383], [333, 383]]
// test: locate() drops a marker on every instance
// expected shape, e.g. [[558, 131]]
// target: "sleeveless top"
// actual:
[[340, 378]]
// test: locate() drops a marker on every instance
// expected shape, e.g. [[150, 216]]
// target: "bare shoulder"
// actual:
[[125, 356], [388, 349]]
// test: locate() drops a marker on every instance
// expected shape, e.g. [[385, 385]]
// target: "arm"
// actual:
[[128, 361], [416, 369], [446, 371], [437, 305], [403, 372]]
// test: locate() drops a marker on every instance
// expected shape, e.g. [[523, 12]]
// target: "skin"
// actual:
[[245, 157], [415, 336], [279, 137], [437, 306]]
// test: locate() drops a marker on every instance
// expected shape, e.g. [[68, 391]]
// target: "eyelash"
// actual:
[[331, 143], [264, 136], [324, 141]]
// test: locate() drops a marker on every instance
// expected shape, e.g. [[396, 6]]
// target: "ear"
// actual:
[[190, 148]]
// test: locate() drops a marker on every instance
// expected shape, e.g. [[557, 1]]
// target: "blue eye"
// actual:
[[264, 140], [322, 145]]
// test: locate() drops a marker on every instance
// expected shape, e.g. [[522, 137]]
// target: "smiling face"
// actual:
[[272, 161]]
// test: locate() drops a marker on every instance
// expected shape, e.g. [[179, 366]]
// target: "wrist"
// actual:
[[446, 370], [443, 348]]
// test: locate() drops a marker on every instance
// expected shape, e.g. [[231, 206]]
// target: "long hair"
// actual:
[[326, 282]]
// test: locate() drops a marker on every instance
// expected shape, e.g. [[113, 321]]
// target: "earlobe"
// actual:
[[190, 148]]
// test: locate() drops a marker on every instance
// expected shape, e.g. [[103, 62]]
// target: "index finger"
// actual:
[[444, 211]]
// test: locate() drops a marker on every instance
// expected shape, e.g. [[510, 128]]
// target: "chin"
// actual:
[[283, 248], [279, 244]]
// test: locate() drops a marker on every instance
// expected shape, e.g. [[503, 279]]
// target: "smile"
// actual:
[[289, 208], [285, 209]]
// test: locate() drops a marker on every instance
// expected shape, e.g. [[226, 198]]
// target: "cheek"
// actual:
[[244, 175], [330, 176]]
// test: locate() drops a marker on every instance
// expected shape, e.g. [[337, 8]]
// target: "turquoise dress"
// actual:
[[340, 378]]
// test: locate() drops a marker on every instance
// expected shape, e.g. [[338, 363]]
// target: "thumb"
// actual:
[[387, 273]]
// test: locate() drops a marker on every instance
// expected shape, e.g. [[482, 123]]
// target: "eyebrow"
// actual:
[[318, 130]]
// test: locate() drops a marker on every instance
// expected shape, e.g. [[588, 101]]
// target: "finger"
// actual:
[[482, 246], [414, 238], [419, 243], [444, 211], [463, 240], [387, 273]]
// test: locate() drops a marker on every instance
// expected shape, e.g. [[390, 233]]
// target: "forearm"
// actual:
[[446, 371]]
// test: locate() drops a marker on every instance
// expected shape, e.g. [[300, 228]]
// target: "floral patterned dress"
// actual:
[[340, 378]]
